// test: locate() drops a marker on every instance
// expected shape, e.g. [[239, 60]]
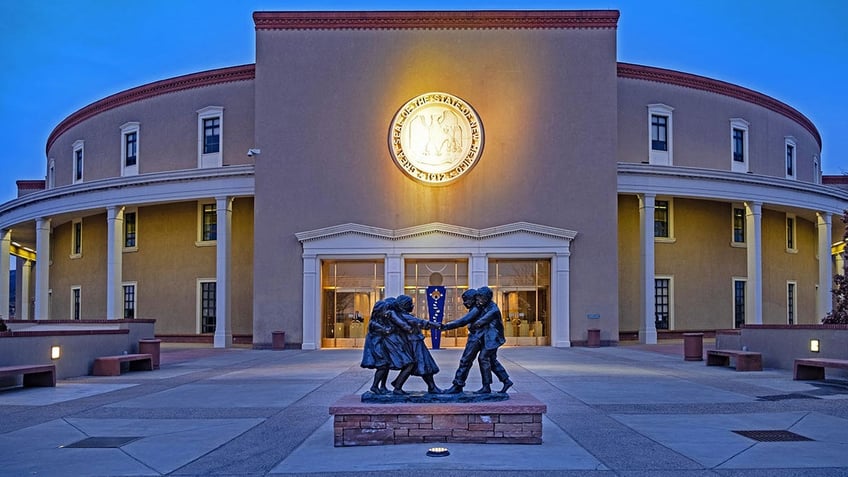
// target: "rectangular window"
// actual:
[[129, 301], [790, 303], [522, 290], [76, 238], [211, 135], [738, 225], [207, 307], [76, 302], [129, 230], [661, 219], [738, 303], [738, 145], [209, 226], [79, 161], [790, 233], [349, 289], [659, 132], [791, 152], [662, 303], [131, 148]]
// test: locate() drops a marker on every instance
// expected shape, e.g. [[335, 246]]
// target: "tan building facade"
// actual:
[[370, 154]]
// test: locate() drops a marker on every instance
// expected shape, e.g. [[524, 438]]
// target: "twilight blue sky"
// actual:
[[57, 56]]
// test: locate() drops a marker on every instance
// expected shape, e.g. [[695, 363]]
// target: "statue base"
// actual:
[[516, 420], [424, 397]]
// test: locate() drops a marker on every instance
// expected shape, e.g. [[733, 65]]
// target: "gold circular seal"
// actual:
[[435, 138]]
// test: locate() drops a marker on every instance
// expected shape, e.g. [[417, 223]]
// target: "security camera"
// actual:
[[253, 152]]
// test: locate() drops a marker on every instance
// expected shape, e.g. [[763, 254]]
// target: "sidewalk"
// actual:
[[621, 411]]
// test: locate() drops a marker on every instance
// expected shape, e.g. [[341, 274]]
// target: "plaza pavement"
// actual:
[[616, 411]]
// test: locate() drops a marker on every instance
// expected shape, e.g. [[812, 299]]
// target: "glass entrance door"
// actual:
[[349, 290]]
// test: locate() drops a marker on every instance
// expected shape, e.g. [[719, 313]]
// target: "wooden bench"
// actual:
[[813, 368], [111, 365], [33, 374], [745, 360]]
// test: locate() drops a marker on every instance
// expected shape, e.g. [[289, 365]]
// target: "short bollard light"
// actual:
[[438, 452], [814, 346], [55, 352]]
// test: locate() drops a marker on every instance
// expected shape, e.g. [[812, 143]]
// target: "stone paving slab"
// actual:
[[221, 395], [64, 391]]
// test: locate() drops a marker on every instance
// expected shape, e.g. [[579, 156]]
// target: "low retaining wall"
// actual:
[[29, 342], [517, 420], [780, 345]]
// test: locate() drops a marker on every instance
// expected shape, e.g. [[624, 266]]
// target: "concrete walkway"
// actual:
[[625, 411]]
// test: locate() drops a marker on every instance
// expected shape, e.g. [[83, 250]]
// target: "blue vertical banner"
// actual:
[[436, 310]]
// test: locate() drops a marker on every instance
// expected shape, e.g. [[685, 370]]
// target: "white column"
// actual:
[[394, 275], [42, 269], [824, 302], [114, 263], [311, 303], [479, 270], [223, 325], [5, 257], [754, 286], [647, 325], [26, 272], [561, 300]]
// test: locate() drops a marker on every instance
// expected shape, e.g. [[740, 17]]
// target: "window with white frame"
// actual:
[[210, 128], [76, 302], [791, 166], [739, 285], [817, 172], [791, 302], [663, 220], [78, 161], [130, 300], [738, 220], [791, 234], [207, 223], [129, 148], [660, 134], [206, 303], [76, 238], [739, 145], [662, 302], [130, 230], [51, 174]]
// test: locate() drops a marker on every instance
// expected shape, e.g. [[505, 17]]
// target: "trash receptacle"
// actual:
[[278, 340], [693, 346], [594, 340], [151, 347]]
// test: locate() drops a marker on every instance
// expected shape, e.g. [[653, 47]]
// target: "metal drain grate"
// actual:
[[773, 436], [101, 442], [785, 397]]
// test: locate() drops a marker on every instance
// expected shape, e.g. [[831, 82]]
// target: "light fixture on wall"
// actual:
[[55, 352], [814, 346]]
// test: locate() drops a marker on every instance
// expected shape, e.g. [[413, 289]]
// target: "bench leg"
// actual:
[[141, 365], [44, 378], [106, 367], [804, 372], [749, 363]]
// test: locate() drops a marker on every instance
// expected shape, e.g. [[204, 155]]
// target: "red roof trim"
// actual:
[[835, 180], [687, 80], [452, 20], [171, 85], [31, 184]]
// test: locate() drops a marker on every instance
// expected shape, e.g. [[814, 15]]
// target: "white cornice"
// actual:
[[189, 184], [436, 228], [729, 186]]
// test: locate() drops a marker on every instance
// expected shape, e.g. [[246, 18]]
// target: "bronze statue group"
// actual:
[[395, 342]]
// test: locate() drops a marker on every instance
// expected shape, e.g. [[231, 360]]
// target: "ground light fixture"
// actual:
[[55, 352], [438, 452], [814, 346]]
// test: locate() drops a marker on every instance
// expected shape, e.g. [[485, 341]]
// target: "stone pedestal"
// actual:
[[514, 421]]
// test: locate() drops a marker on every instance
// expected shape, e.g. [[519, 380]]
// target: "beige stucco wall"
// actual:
[[168, 133], [546, 98], [701, 129], [166, 266], [703, 263]]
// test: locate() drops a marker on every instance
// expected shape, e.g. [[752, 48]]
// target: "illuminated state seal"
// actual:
[[435, 138]]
